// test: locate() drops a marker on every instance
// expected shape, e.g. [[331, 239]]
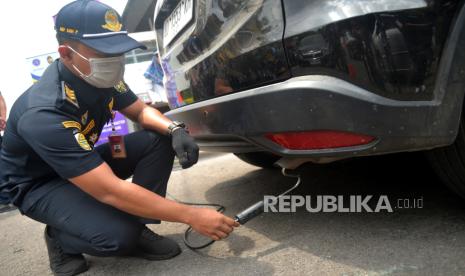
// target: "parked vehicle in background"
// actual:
[[318, 80]]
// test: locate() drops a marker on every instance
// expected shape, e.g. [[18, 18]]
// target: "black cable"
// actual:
[[244, 216], [219, 208]]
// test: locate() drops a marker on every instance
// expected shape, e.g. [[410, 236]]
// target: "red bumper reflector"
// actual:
[[318, 139]]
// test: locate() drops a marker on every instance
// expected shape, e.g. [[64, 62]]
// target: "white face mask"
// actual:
[[104, 72]]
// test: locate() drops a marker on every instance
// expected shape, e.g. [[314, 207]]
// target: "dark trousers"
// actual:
[[82, 224]]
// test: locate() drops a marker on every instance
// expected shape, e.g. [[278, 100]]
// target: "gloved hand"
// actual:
[[185, 147]]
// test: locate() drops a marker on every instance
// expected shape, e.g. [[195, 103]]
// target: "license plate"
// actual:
[[178, 19]]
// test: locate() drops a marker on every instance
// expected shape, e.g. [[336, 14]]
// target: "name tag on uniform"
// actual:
[[116, 142], [118, 149]]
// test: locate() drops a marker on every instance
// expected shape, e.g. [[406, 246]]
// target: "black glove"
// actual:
[[185, 147]]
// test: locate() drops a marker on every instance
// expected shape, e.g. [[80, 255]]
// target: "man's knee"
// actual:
[[116, 242], [161, 143]]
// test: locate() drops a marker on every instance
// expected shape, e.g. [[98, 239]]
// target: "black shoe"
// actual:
[[154, 247], [63, 264]]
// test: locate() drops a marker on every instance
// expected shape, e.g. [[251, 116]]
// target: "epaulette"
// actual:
[[68, 101]]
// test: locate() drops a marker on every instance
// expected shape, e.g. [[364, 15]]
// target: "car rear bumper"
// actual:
[[238, 122]]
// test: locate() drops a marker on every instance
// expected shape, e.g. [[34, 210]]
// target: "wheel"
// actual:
[[260, 159], [449, 162]]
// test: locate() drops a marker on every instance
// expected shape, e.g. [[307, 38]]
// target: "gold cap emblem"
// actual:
[[112, 21]]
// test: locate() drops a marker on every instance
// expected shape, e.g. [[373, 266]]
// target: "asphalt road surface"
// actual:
[[415, 241]]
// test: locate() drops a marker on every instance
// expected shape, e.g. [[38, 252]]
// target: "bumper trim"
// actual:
[[317, 103], [310, 82]]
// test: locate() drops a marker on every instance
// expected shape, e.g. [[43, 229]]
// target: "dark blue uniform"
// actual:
[[1, 138], [50, 138]]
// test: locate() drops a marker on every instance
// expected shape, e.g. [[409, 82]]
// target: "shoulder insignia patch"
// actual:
[[68, 94], [81, 139], [121, 87], [89, 127], [72, 124]]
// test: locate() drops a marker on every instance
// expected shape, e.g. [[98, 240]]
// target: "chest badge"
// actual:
[[121, 87], [93, 138]]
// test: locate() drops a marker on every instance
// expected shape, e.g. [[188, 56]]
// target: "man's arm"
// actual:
[[106, 187], [147, 116], [2, 113]]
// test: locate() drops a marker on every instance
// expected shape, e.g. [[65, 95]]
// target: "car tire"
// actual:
[[449, 162], [260, 159]]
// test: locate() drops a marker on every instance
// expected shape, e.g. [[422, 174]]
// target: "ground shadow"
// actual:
[[430, 239]]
